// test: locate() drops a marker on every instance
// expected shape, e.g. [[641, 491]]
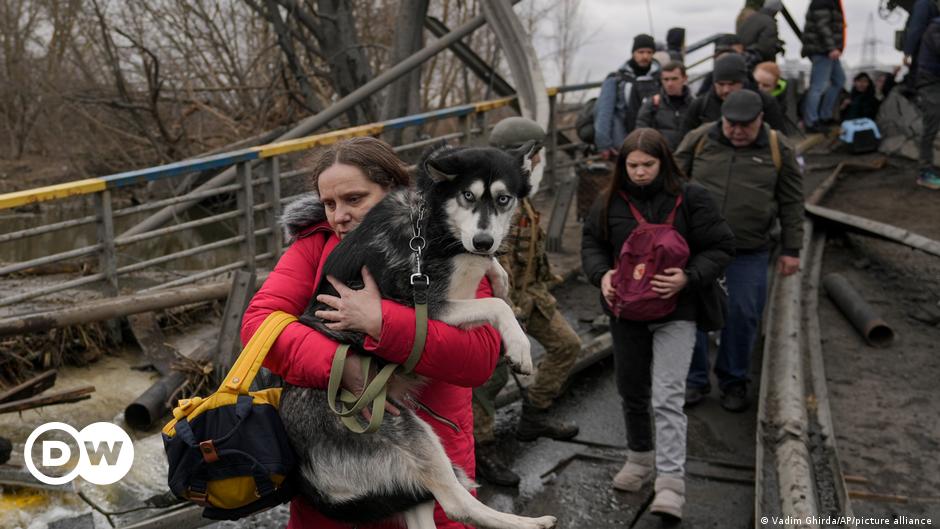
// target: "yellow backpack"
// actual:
[[229, 452]]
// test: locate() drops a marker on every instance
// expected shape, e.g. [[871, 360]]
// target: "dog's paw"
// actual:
[[518, 352], [545, 522], [499, 280]]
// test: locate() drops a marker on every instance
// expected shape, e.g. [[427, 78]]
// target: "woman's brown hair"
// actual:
[[372, 156], [651, 142]]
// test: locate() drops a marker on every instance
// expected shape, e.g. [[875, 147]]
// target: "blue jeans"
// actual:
[[826, 80], [746, 278]]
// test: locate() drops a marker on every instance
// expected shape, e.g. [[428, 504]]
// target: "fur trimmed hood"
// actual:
[[301, 214]]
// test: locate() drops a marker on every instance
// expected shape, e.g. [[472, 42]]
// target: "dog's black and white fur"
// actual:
[[470, 195]]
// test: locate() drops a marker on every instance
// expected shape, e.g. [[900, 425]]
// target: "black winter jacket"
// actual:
[[825, 24], [708, 108], [711, 242], [758, 33], [665, 114]]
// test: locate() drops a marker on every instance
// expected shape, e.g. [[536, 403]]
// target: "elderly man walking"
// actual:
[[752, 172]]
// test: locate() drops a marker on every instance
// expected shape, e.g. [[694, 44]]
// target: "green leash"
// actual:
[[376, 390]]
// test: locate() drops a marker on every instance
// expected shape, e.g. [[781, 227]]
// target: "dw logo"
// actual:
[[105, 453]]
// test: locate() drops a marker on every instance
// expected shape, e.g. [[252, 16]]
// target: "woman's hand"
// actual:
[[352, 381], [671, 281], [607, 287], [354, 310]]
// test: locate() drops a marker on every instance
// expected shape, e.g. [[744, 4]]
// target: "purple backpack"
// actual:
[[649, 250]]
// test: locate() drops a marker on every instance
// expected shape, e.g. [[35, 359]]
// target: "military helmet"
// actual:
[[514, 131]]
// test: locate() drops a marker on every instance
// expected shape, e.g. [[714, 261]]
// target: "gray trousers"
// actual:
[[928, 98], [651, 362]]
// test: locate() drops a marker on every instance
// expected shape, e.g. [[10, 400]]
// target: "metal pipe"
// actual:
[[124, 241], [176, 200], [51, 289], [49, 259], [155, 402], [862, 316], [32, 232], [185, 253], [316, 121]]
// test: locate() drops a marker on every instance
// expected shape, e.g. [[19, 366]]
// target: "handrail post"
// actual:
[[273, 198], [466, 122], [107, 256], [246, 223], [552, 142]]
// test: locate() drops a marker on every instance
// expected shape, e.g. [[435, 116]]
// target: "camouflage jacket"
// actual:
[[525, 260]]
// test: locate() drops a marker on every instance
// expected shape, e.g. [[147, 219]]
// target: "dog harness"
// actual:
[[376, 390]]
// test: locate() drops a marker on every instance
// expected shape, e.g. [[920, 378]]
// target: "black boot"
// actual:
[[536, 423], [492, 470]]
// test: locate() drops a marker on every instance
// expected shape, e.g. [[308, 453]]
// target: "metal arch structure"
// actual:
[[524, 67], [523, 61]]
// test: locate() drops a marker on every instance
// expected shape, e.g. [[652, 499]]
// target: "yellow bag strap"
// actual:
[[239, 378]]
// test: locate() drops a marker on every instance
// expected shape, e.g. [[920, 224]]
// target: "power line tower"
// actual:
[[869, 44]]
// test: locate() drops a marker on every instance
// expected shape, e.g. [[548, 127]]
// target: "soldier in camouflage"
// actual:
[[530, 279]]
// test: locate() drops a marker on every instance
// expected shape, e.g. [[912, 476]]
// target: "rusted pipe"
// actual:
[[862, 316], [154, 403]]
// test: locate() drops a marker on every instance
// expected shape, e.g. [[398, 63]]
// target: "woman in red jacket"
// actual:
[[350, 178]]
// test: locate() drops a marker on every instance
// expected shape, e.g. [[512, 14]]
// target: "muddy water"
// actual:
[[117, 385]]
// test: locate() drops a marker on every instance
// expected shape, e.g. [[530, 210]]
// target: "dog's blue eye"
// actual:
[[468, 196], [503, 200]]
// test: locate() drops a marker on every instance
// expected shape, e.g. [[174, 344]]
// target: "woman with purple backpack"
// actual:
[[656, 246]]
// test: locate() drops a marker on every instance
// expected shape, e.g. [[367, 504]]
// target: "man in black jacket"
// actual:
[[823, 42], [665, 111], [730, 76], [753, 175], [758, 32]]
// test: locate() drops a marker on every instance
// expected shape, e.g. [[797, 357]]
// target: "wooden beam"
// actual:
[[33, 386], [118, 307], [62, 397], [875, 228]]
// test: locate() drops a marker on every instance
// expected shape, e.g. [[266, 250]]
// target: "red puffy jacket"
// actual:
[[454, 360]]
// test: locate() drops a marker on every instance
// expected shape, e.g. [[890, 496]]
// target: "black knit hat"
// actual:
[[727, 42], [730, 67], [643, 41]]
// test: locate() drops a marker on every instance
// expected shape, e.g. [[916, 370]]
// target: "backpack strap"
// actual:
[[775, 150], [700, 146], [671, 219], [636, 213]]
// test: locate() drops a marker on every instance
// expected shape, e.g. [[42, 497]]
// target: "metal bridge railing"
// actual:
[[241, 237], [244, 235]]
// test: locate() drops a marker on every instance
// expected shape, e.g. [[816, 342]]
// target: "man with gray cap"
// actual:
[[752, 172], [730, 75], [621, 94], [530, 279]]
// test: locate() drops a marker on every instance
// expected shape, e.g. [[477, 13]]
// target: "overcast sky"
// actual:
[[611, 25]]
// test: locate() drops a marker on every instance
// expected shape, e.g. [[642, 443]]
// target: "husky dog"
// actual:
[[469, 196]]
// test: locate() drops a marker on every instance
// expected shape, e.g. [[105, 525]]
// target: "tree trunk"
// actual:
[[346, 57], [404, 95]]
